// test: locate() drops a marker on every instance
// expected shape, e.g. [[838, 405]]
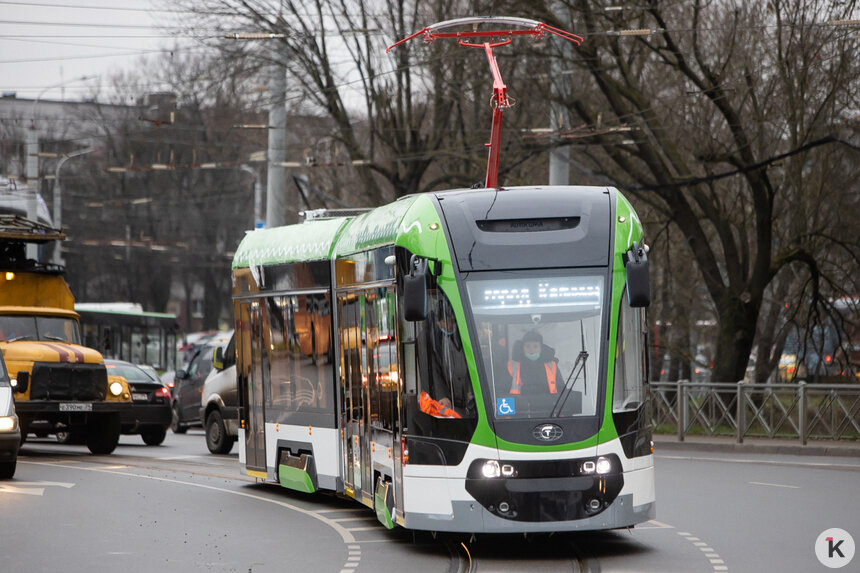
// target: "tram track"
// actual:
[[503, 554]]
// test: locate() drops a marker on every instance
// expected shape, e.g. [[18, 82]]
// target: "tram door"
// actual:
[[353, 389], [255, 430]]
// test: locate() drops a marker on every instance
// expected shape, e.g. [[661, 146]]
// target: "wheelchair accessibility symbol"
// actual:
[[505, 406]]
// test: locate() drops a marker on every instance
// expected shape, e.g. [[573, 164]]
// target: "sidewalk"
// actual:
[[669, 442]]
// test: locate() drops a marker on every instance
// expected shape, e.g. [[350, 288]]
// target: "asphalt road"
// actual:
[[177, 508]]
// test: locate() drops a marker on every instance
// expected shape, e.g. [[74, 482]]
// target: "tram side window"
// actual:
[[446, 387], [629, 384], [382, 357], [279, 394], [298, 347], [309, 342]]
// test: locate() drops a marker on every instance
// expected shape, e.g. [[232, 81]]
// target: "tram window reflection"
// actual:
[[446, 390]]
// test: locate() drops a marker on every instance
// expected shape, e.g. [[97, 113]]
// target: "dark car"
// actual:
[[188, 385], [150, 399], [10, 432]]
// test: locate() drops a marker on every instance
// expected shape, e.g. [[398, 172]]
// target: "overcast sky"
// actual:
[[47, 42]]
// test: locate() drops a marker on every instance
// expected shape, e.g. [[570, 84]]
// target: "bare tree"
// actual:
[[735, 112]]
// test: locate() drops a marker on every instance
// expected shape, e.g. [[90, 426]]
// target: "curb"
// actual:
[[845, 451]]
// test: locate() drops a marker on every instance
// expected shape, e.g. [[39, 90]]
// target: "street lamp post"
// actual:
[[58, 198], [32, 169]]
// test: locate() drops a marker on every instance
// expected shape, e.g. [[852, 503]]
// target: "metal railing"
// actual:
[[791, 411]]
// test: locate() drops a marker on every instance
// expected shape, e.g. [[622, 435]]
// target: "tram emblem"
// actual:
[[547, 432]]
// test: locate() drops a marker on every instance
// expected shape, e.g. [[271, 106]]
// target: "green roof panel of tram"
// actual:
[[375, 228], [309, 241]]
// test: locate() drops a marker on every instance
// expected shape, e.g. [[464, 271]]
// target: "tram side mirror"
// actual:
[[218, 359], [638, 282], [22, 382], [415, 290]]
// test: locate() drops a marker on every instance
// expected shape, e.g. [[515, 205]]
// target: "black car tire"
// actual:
[[175, 424], [217, 439], [153, 436], [25, 429], [7, 469], [103, 434]]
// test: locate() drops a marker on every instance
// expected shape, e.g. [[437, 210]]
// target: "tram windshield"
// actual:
[[539, 340]]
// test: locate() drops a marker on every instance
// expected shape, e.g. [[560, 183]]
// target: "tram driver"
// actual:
[[533, 366]]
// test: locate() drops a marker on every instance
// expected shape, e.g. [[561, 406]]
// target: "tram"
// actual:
[[485, 367]]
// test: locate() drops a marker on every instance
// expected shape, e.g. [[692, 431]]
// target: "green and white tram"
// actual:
[[470, 360]]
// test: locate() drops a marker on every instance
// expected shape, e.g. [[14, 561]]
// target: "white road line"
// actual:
[[775, 485], [342, 531], [824, 465], [171, 458], [342, 519], [371, 528], [339, 510], [43, 483]]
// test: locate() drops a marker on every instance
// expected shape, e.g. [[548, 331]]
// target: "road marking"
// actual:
[[775, 485], [715, 561], [654, 524], [45, 483], [372, 528], [171, 458], [26, 487], [339, 510], [364, 518], [342, 531], [846, 467], [22, 490]]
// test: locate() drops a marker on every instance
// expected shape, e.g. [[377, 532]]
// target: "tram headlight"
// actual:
[[115, 388], [599, 466], [491, 469], [604, 466]]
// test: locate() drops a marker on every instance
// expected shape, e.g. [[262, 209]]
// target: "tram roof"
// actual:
[[309, 241], [315, 240]]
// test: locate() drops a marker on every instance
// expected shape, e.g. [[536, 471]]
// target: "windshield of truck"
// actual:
[[539, 340], [56, 328]]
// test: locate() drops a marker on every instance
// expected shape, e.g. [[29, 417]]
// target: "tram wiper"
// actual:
[[578, 368]]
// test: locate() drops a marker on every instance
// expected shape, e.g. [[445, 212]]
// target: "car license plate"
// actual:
[[76, 407], [138, 397]]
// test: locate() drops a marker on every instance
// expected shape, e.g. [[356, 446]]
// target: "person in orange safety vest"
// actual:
[[533, 366]]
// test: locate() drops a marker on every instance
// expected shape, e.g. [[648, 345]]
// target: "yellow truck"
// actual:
[[58, 384]]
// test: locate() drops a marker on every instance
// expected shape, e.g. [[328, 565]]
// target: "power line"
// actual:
[[94, 56]]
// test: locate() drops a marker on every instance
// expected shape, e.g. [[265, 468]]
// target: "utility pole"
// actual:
[[32, 173], [276, 183], [559, 118]]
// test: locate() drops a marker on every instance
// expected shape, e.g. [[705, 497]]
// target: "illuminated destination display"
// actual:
[[538, 293]]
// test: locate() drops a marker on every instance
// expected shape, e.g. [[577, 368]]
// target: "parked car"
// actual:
[[219, 406], [188, 385], [10, 432], [150, 399]]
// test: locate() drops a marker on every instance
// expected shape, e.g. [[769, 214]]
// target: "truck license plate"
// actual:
[[76, 407]]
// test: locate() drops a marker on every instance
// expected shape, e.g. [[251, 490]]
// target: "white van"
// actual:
[[219, 406], [10, 431]]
